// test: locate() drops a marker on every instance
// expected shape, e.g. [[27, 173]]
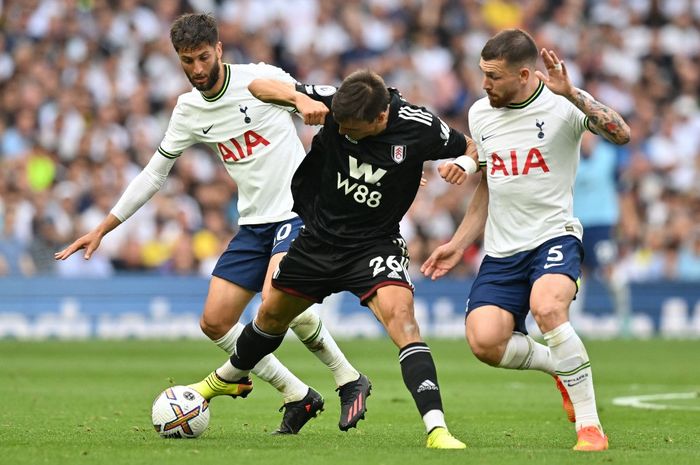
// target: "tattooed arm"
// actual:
[[603, 120]]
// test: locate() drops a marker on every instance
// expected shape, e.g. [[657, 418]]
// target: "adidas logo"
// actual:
[[427, 385], [394, 275]]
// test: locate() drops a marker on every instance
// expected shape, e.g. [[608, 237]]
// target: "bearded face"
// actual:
[[202, 66]]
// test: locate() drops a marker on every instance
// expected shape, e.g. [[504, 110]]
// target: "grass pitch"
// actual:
[[89, 403]]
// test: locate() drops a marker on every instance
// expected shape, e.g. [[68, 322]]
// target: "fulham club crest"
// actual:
[[398, 153]]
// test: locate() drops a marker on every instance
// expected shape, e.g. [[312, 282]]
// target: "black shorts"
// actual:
[[314, 269]]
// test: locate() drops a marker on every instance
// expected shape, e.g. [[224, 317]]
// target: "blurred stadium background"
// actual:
[[86, 90]]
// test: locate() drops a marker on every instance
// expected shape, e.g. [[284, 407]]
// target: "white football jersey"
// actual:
[[256, 141], [531, 151]]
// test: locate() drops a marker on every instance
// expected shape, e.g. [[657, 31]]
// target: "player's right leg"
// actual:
[[264, 335], [224, 305], [312, 333]]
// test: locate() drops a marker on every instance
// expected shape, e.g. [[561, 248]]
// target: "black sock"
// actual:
[[252, 345], [420, 376]]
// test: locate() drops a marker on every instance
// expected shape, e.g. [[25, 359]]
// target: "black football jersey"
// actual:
[[348, 191]]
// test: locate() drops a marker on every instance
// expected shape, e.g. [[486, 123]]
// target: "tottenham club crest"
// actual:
[[398, 153]]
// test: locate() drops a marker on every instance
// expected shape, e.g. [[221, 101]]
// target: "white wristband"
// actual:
[[466, 163]]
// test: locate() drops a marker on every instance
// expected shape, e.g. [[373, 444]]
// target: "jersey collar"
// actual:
[[227, 79], [531, 99]]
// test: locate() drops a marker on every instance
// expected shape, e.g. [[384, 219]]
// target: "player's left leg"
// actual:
[[393, 306], [549, 302]]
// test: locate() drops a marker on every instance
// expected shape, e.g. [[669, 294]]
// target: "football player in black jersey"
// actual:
[[352, 189]]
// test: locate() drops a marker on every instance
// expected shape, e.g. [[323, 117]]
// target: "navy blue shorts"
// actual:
[[506, 282], [247, 257], [599, 247]]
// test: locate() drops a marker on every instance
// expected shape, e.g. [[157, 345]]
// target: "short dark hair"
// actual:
[[362, 96], [515, 46], [190, 31]]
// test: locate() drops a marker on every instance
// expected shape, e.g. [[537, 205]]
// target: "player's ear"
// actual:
[[524, 74], [383, 116], [219, 49]]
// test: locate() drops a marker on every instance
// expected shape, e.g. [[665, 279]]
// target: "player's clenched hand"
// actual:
[[442, 260], [313, 112], [90, 242], [452, 173]]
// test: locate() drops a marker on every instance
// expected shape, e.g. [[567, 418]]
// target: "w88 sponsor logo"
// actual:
[[360, 192]]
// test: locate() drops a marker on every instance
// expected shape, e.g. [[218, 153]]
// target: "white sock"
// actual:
[[309, 329], [574, 371], [230, 373], [228, 341], [434, 419], [269, 369], [524, 353]]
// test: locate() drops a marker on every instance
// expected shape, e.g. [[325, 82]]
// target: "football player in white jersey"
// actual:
[[258, 145], [528, 132]]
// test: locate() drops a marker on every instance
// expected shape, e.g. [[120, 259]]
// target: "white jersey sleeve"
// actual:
[[143, 187], [178, 136]]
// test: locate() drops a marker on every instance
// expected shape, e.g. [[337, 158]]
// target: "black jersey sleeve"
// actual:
[[436, 140], [322, 93], [446, 142]]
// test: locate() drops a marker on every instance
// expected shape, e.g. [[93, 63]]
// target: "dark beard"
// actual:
[[213, 78]]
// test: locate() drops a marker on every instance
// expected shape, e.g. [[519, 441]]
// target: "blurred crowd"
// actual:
[[87, 87]]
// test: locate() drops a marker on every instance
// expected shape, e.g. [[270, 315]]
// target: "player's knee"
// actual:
[[274, 322], [213, 329], [485, 350], [549, 315], [401, 323]]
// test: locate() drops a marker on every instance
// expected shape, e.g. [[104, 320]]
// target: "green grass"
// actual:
[[89, 403]]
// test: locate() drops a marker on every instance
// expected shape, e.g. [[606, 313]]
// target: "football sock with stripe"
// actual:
[[269, 369], [574, 370], [420, 377], [524, 353], [251, 346], [311, 331]]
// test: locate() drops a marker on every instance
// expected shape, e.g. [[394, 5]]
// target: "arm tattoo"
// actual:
[[606, 122]]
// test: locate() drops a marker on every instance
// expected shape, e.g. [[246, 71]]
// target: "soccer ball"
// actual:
[[180, 412]]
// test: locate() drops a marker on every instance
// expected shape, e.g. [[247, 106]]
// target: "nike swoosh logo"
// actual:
[[550, 265], [483, 138], [207, 129]]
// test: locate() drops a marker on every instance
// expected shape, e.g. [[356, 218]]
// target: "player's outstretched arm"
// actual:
[[137, 193], [285, 94], [445, 257], [90, 241], [604, 120]]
